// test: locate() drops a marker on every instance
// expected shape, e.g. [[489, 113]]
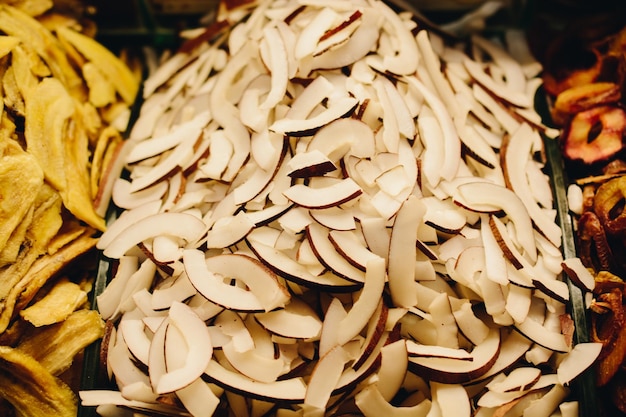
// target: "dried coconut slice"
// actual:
[[199, 349], [185, 226], [207, 276], [324, 197], [451, 371], [290, 390]]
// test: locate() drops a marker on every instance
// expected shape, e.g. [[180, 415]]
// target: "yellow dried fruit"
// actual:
[[31, 388]]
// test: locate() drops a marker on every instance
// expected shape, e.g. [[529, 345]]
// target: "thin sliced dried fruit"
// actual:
[[608, 329], [56, 346], [77, 193], [57, 305], [7, 43], [110, 66], [37, 273], [608, 204], [583, 97], [31, 388], [20, 180], [595, 135], [48, 110], [17, 23]]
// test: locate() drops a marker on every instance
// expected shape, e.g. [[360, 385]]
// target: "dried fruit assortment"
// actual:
[[588, 103], [328, 210], [65, 101]]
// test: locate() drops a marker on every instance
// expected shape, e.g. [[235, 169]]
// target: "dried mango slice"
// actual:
[[62, 300], [108, 140], [32, 389], [118, 74], [101, 91], [48, 266], [47, 219], [32, 7], [38, 227], [7, 43], [48, 110], [12, 96], [32, 278], [16, 23], [70, 230], [56, 346], [77, 194], [11, 250], [20, 180], [24, 76]]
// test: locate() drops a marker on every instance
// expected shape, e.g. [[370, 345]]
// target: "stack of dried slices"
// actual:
[[65, 102], [328, 209], [588, 103]]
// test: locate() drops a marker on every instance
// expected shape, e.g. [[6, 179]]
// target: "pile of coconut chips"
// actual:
[[328, 210]]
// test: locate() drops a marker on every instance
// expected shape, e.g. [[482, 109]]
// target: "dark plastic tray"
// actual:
[[584, 388], [137, 23]]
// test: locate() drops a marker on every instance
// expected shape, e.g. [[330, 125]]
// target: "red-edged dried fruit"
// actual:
[[595, 135]]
